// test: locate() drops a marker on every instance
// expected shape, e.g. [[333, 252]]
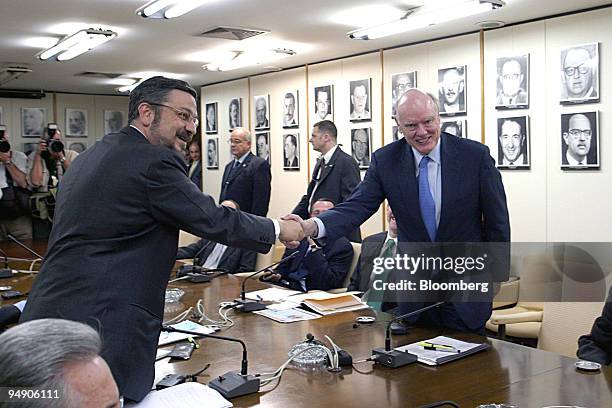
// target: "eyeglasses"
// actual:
[[182, 115], [234, 141], [508, 77], [582, 69], [576, 133]]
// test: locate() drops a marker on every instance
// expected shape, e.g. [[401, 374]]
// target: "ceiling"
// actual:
[[310, 28]]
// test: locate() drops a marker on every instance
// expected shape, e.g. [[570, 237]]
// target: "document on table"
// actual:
[[287, 316], [271, 294], [167, 338], [187, 395], [436, 357]]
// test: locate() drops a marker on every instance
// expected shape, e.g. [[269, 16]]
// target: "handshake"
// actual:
[[293, 229]]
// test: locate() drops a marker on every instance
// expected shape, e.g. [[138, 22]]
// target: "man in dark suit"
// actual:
[[213, 255], [597, 346], [335, 175], [115, 232], [247, 178], [316, 268], [195, 165], [441, 188]]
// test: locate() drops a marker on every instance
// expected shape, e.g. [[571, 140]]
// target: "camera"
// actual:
[[5, 146], [55, 146]]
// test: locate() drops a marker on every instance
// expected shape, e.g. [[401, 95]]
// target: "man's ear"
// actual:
[[146, 114]]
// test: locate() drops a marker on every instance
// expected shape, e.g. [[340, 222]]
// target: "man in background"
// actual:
[[195, 163]]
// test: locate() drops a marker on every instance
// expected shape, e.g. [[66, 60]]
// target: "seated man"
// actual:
[[212, 255], [383, 244], [56, 354], [316, 268], [597, 346]]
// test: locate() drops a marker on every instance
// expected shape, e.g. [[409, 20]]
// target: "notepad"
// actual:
[[173, 337], [435, 357], [187, 395]]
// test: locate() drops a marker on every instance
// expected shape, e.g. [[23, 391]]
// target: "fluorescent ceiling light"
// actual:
[[366, 15], [76, 44], [39, 42], [242, 59], [434, 13], [169, 8], [9, 74]]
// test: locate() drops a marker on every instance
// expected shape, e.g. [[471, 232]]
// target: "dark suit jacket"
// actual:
[[324, 269], [196, 177], [248, 185], [293, 163], [473, 202], [370, 249], [597, 346], [233, 259], [119, 210], [339, 178]]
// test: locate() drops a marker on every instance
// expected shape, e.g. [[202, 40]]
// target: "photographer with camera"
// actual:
[[14, 196]]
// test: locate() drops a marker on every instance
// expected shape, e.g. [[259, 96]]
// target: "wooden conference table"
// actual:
[[505, 373]]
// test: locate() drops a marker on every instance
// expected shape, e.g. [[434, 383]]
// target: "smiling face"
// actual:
[[194, 152], [511, 140], [578, 137], [240, 143], [418, 120], [167, 128]]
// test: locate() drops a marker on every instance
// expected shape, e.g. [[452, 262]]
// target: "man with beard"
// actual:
[[115, 233]]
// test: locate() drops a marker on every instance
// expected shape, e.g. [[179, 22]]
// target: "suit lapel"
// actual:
[[408, 187], [329, 166], [451, 168], [236, 172]]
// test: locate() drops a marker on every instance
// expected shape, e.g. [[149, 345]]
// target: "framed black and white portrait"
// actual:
[[76, 122], [212, 153], [580, 74], [113, 121], [513, 143], [1, 116], [323, 103], [78, 147], [211, 118], [235, 113], [580, 140], [290, 103], [455, 127], [396, 134], [33, 121], [262, 116], [452, 90], [400, 83], [29, 148], [512, 82], [361, 142], [361, 108], [291, 151], [262, 145]]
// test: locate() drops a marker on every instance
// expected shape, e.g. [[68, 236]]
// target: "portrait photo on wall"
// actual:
[[291, 151], [33, 121], [262, 115], [78, 147], [580, 140], [76, 122], [580, 74], [400, 83], [262, 145], [290, 103], [1, 116], [212, 153], [396, 134], [513, 143], [113, 121], [452, 90], [211, 117], [455, 127], [235, 113], [323, 103], [361, 108], [29, 148], [361, 142], [512, 82]]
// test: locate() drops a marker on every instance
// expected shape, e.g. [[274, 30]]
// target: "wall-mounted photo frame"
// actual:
[[452, 90], [361, 146], [400, 83], [291, 102], [455, 127], [323, 103], [261, 104], [580, 74], [512, 82], [114, 121], [580, 140], [33, 121], [78, 147], [29, 148], [291, 151], [513, 143], [234, 112], [211, 117], [360, 101], [395, 133], [76, 122], [212, 153], [262, 146], [1, 117]]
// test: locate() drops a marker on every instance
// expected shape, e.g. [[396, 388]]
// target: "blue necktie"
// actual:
[[426, 201]]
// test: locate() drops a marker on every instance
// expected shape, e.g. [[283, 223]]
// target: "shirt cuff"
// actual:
[[321, 228], [276, 228]]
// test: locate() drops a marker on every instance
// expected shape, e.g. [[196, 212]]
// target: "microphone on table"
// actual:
[[233, 383], [247, 305], [393, 358], [195, 269], [24, 246], [5, 272]]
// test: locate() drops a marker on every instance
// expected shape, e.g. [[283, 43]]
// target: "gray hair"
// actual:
[[244, 131], [35, 353]]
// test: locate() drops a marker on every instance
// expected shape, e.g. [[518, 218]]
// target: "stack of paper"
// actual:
[[187, 395], [167, 338], [455, 349]]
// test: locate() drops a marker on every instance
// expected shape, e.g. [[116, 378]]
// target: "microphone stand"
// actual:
[[393, 358], [246, 305], [195, 269], [233, 383], [5, 272]]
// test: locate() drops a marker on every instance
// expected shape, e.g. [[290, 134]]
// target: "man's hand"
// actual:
[[5, 157], [309, 226], [290, 231], [42, 146]]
